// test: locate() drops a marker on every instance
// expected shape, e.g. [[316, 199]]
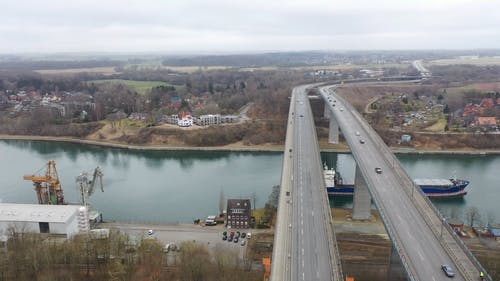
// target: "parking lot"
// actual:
[[211, 236]]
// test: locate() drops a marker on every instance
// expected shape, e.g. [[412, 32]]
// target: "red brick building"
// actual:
[[238, 213]]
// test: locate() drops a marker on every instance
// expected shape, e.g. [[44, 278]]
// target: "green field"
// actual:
[[140, 87]]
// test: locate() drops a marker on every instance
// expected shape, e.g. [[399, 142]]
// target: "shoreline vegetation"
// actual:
[[234, 147]]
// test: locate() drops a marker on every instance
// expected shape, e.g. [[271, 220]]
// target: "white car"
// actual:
[[150, 232], [357, 133], [341, 109], [249, 235]]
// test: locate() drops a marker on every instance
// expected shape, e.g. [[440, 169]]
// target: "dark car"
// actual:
[[230, 238], [243, 235], [224, 238], [448, 270], [238, 234], [361, 141], [378, 170], [224, 233]]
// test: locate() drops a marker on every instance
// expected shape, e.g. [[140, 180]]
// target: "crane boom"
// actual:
[[87, 186], [48, 187]]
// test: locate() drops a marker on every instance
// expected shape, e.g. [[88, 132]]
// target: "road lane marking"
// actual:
[[420, 254]]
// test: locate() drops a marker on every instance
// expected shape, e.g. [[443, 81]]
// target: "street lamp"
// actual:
[[442, 224]]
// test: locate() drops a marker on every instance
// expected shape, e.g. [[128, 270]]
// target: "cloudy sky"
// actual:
[[190, 26]]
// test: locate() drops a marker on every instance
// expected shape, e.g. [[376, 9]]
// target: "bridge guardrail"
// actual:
[[409, 187]]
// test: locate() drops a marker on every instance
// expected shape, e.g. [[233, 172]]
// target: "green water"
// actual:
[[178, 186], [143, 186]]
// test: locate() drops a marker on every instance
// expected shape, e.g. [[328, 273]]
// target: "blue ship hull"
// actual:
[[457, 189]]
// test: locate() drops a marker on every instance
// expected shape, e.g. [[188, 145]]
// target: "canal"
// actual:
[[179, 186]]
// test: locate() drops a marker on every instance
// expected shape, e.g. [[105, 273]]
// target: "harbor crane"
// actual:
[[87, 185], [48, 187]]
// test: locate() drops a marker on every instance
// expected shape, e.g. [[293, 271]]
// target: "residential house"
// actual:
[[185, 119], [486, 121], [230, 119], [138, 116], [207, 120]]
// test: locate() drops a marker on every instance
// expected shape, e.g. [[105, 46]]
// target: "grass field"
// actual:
[[474, 61], [140, 87], [438, 126]]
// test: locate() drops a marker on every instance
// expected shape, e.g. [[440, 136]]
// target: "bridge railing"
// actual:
[[423, 203], [423, 206]]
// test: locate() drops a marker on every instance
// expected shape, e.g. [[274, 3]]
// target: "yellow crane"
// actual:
[[48, 187]]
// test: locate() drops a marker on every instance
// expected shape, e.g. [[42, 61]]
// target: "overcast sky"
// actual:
[[190, 26]]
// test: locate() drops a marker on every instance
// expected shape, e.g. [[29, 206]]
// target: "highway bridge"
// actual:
[[305, 247]]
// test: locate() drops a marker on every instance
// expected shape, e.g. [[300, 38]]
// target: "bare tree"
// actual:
[[254, 199], [472, 215]]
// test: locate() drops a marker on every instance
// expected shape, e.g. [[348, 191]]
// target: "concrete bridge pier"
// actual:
[[362, 198], [333, 132], [326, 113], [395, 270]]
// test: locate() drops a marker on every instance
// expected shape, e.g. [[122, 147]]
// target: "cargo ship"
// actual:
[[431, 187]]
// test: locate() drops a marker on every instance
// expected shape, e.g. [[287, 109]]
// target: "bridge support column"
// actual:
[[326, 113], [362, 198], [395, 271], [333, 132]]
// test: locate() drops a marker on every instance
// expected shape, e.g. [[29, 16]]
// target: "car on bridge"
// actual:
[[361, 141], [378, 170], [448, 270]]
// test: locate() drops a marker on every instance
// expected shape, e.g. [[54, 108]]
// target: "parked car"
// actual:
[[224, 233], [378, 170], [231, 234], [224, 238], [448, 270], [150, 232], [230, 238], [243, 235], [249, 235], [236, 240], [243, 242]]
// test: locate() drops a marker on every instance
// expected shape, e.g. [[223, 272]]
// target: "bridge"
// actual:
[[305, 246]]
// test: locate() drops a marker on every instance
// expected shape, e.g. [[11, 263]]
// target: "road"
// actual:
[[305, 246], [410, 223], [424, 72]]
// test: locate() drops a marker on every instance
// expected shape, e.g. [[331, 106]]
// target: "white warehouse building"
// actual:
[[66, 220]]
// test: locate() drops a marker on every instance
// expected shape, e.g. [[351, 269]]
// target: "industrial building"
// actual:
[[64, 220]]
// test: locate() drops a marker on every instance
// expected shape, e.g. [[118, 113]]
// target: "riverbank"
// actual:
[[239, 147]]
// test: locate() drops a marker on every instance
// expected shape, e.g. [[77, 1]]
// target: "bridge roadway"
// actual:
[[420, 236], [304, 244]]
